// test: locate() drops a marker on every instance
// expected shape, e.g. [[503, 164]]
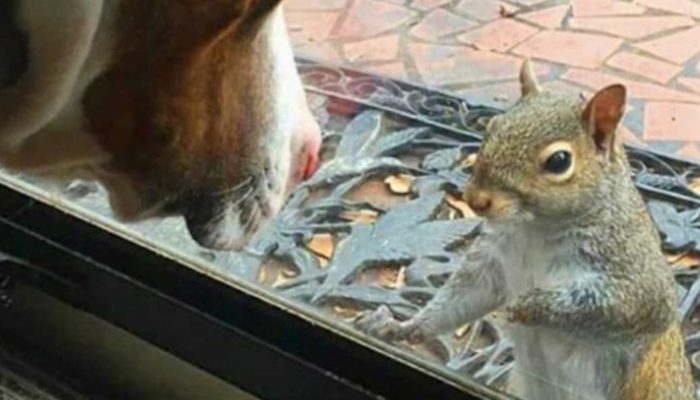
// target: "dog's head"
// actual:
[[203, 114]]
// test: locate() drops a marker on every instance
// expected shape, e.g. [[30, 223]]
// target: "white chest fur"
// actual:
[[551, 364]]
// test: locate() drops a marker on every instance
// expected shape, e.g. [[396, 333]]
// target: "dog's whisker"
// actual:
[[255, 215], [244, 197], [247, 182], [154, 208], [222, 213]]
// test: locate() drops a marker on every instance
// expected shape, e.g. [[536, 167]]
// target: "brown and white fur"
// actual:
[[177, 107]]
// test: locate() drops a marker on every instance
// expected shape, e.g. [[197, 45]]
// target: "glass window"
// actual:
[[403, 92]]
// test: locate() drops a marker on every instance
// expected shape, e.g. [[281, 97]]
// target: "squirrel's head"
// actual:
[[547, 158]]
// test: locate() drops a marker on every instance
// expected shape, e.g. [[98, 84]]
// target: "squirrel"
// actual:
[[570, 254]]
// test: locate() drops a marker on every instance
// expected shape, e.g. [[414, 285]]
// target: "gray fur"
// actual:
[[578, 267]]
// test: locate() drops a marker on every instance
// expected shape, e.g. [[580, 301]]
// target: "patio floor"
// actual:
[[474, 48]]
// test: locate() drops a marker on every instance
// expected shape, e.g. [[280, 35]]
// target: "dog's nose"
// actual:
[[306, 147], [479, 202]]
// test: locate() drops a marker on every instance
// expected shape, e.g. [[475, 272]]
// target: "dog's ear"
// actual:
[[225, 16], [186, 25], [258, 8]]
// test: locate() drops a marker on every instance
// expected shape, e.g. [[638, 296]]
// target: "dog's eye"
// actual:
[[163, 134], [558, 163]]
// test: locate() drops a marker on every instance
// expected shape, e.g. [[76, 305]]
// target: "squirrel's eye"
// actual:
[[558, 163]]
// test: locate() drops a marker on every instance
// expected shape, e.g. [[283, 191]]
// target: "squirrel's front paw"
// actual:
[[531, 308], [381, 323], [517, 313]]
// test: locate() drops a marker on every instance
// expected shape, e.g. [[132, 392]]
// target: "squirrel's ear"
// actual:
[[602, 115], [528, 80]]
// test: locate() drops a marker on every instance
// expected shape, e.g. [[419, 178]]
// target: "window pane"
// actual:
[[403, 93]]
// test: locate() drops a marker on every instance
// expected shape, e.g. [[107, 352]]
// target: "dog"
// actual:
[[185, 107]]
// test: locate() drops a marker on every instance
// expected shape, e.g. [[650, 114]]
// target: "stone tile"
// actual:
[[501, 95], [483, 10], [551, 17], [504, 95], [683, 7], [671, 121], [630, 27], [499, 35], [445, 65], [314, 4], [368, 18], [629, 137], [678, 47], [692, 84], [647, 67], [648, 91], [392, 70], [384, 48], [690, 151], [576, 49], [306, 27], [589, 8], [323, 51], [439, 23], [426, 5], [566, 86]]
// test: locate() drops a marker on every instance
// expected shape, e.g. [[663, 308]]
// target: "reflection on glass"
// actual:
[[383, 224]]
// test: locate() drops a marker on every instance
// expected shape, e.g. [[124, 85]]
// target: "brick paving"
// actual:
[[473, 48]]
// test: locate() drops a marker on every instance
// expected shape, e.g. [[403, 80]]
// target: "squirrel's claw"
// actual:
[[516, 313], [381, 324]]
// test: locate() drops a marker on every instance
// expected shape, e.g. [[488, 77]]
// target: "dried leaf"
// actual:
[[361, 216], [462, 330], [507, 12], [452, 214], [688, 260], [399, 184], [672, 258], [469, 160], [281, 279], [289, 273], [375, 192], [346, 312], [276, 272], [399, 281], [322, 244], [263, 275], [694, 185], [460, 205], [385, 276]]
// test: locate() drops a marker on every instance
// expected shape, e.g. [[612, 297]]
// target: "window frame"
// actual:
[[199, 319]]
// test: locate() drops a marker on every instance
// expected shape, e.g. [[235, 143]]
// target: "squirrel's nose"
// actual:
[[479, 202]]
